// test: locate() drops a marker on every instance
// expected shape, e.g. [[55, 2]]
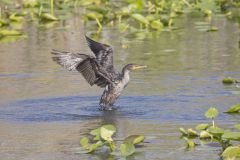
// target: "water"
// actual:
[[45, 110]]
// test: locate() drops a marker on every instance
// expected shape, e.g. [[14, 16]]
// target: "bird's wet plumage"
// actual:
[[98, 70]]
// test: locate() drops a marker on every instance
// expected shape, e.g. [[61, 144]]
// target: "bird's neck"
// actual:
[[125, 75]]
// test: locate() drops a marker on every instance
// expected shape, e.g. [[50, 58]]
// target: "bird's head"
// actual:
[[133, 67]]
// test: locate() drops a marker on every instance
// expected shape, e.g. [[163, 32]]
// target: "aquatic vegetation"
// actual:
[[14, 14], [132, 16], [189, 142], [151, 15], [231, 152], [229, 80], [6, 32], [211, 114], [102, 136], [213, 133], [234, 109]]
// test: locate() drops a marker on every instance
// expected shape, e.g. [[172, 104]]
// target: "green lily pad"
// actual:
[[211, 113], [48, 24], [202, 126], [234, 109], [95, 132], [14, 17], [140, 18], [150, 17], [202, 28], [156, 24], [85, 142], [139, 4], [192, 133], [229, 80], [183, 131], [92, 148], [106, 132], [49, 17], [97, 137], [98, 9], [205, 135], [7, 39], [231, 136], [212, 29], [135, 139], [127, 149], [190, 143], [216, 131], [3, 22], [231, 152], [99, 143], [6, 32], [94, 15]]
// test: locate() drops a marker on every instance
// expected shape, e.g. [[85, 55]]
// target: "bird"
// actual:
[[98, 70]]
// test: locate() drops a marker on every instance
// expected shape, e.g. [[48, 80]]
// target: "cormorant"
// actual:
[[98, 70]]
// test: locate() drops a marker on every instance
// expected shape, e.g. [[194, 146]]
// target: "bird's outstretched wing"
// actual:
[[68, 60], [84, 64], [103, 53]]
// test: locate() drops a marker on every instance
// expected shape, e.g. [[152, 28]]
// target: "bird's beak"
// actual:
[[136, 67]]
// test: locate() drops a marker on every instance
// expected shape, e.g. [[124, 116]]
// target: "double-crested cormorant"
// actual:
[[98, 70]]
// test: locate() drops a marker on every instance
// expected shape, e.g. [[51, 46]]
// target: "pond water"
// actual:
[[45, 110]]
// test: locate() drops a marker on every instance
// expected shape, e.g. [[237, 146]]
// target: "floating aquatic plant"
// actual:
[[232, 152], [14, 14], [212, 133], [102, 136], [234, 109], [211, 114], [229, 80]]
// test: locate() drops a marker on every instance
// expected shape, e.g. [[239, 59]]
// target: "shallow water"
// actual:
[[45, 110]]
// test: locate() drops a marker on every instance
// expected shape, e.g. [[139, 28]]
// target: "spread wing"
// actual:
[[84, 64], [68, 60], [103, 53], [87, 69], [92, 73]]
